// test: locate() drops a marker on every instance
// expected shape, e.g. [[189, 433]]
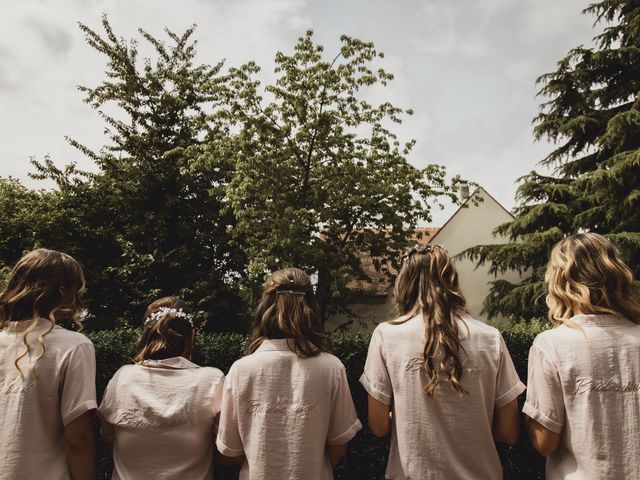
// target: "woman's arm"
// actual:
[[379, 418], [506, 423], [336, 452], [80, 448], [543, 440]]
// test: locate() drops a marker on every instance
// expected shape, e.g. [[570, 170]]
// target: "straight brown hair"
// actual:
[[288, 310]]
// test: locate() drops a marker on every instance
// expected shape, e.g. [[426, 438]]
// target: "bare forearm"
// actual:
[[82, 460]]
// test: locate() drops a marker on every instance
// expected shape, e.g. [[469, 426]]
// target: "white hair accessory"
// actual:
[[162, 311]]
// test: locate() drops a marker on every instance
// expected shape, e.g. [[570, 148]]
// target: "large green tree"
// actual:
[[321, 178], [592, 114], [152, 220]]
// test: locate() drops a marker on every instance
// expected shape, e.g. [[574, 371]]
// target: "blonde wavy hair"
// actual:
[[43, 284], [288, 310], [427, 284], [585, 274], [166, 335]]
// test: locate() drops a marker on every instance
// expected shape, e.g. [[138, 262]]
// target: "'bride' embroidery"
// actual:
[[258, 406]]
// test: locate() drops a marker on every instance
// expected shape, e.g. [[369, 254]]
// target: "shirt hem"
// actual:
[[378, 395], [79, 410], [535, 414], [510, 395], [228, 451], [347, 435]]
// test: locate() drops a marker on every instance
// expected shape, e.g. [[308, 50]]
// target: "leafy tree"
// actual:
[[320, 176], [592, 113], [152, 220]]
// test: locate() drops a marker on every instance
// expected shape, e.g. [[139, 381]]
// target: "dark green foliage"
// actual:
[[367, 455], [592, 114], [320, 176], [152, 220]]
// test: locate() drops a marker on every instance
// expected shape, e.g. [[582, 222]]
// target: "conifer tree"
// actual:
[[592, 115]]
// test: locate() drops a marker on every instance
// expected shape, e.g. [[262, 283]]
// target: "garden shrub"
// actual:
[[367, 455]]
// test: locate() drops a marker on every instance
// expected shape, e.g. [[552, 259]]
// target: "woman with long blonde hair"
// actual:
[[287, 410], [442, 383], [583, 399], [159, 413], [47, 373]]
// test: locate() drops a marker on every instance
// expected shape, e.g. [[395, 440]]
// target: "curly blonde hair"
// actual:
[[427, 284], [585, 274], [288, 310], [43, 284]]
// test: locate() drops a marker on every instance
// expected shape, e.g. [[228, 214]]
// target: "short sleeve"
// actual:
[[79, 383], [228, 440], [545, 400], [344, 423], [375, 378], [508, 384], [217, 396]]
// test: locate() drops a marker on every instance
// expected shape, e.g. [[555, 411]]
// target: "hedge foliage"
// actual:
[[367, 455]]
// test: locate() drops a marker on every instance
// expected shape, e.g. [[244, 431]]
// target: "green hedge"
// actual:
[[367, 455]]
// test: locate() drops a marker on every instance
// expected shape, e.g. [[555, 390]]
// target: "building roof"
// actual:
[[477, 191]]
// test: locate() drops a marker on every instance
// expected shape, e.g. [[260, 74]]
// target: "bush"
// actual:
[[367, 455]]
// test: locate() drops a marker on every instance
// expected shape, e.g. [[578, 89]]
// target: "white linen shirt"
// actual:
[[34, 410], [281, 411], [584, 384], [446, 436], [160, 416]]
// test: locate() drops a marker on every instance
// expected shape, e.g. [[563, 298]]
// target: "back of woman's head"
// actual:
[[427, 284], [585, 274], [43, 284], [167, 331], [288, 310]]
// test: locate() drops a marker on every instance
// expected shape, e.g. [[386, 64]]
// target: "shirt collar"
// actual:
[[22, 325], [172, 363], [276, 345], [600, 320]]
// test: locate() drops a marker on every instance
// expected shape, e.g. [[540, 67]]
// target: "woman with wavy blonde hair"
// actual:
[[287, 410], [47, 373], [583, 399], [159, 413], [442, 383]]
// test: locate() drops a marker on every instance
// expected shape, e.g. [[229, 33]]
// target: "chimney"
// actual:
[[463, 193]]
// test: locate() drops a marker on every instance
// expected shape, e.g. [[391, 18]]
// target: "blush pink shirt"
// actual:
[[160, 417], [281, 411], [34, 410], [446, 436], [584, 384]]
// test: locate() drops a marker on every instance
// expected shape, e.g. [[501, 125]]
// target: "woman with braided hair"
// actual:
[[442, 383], [287, 411]]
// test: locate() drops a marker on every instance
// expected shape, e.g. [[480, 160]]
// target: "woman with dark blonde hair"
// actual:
[[287, 411], [159, 413], [47, 373], [442, 383], [583, 399]]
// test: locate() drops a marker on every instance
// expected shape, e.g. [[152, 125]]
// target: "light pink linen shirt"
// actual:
[[160, 417], [445, 436], [281, 411], [35, 410], [584, 383]]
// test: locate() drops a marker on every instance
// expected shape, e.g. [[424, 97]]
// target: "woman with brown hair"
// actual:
[[287, 410], [47, 373], [583, 399], [159, 413], [442, 383]]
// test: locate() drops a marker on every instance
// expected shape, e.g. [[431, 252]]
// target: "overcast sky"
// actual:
[[467, 68]]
